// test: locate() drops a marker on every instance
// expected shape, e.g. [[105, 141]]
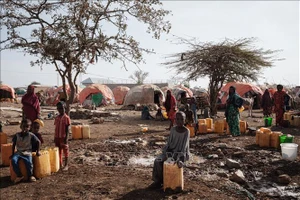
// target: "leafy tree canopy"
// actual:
[[221, 62], [72, 34]]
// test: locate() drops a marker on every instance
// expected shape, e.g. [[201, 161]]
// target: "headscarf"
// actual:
[[234, 98], [170, 101], [31, 104], [30, 98]]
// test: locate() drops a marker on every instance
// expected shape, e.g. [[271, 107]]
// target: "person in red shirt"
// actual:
[[62, 123], [278, 98]]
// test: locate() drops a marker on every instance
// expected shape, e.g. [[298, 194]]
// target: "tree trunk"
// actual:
[[72, 89]]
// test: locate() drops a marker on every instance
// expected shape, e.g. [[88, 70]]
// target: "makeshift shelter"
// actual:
[[120, 93], [188, 91], [177, 91], [200, 92], [242, 89], [98, 94], [20, 91], [6, 92], [143, 94], [54, 94]]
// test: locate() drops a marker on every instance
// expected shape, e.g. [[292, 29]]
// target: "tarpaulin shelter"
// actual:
[[242, 89], [120, 93], [200, 92], [6, 92], [177, 90], [98, 92], [142, 94], [54, 94]]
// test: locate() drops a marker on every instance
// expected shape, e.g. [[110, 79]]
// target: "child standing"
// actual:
[[62, 123], [35, 130], [23, 141], [177, 146]]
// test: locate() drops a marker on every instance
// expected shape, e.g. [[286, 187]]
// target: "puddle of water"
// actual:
[[121, 141], [273, 189], [141, 161], [196, 159]]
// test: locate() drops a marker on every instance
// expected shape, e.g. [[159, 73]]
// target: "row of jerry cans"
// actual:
[[80, 132], [43, 165], [266, 138], [294, 120], [220, 127], [3, 137]]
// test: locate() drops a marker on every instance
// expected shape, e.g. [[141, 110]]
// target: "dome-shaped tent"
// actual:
[[97, 92], [200, 92], [6, 92], [142, 94], [177, 90], [242, 89], [120, 93], [54, 94]]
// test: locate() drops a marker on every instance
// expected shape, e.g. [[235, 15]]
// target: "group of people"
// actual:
[[29, 139], [278, 103], [177, 146]]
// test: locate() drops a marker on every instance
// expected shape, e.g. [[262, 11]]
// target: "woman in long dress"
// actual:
[[31, 105], [233, 103]]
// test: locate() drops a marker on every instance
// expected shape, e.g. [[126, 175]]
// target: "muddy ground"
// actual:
[[116, 163]]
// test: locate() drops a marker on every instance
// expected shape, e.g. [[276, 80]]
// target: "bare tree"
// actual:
[[229, 60], [71, 34], [139, 76]]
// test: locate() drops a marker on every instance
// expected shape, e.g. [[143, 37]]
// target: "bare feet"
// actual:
[[66, 168]]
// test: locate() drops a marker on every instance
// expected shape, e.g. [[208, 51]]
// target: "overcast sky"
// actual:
[[275, 24]]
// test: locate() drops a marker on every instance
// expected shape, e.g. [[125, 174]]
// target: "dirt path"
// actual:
[[116, 164]]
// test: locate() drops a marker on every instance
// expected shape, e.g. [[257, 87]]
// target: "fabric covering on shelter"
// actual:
[[6, 91], [54, 94], [142, 94], [241, 89], [96, 89], [120, 93]]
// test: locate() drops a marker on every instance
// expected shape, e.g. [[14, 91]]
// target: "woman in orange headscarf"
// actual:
[[31, 105], [170, 105]]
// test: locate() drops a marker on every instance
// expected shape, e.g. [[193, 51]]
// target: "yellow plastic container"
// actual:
[[192, 130], [264, 139], [258, 132], [243, 127], [144, 129], [86, 134], [219, 127], [41, 164], [23, 170], [202, 128], [54, 159], [201, 121], [76, 132], [172, 176], [165, 114], [6, 152], [275, 140], [3, 138], [287, 116], [297, 121], [209, 122], [241, 109]]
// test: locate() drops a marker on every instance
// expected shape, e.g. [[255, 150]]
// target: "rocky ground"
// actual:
[[115, 163]]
